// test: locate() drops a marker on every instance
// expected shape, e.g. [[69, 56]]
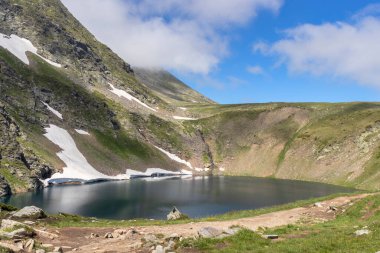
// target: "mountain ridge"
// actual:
[[138, 119]]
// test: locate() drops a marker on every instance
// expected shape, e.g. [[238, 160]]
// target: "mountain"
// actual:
[[71, 108], [169, 88]]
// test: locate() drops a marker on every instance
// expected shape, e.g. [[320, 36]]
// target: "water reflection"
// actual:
[[196, 196]]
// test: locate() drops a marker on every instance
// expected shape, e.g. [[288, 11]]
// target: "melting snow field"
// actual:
[[151, 171], [126, 95], [183, 118], [175, 157], [77, 166], [55, 112], [19, 46]]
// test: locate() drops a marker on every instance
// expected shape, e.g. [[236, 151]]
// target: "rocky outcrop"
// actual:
[[16, 162]]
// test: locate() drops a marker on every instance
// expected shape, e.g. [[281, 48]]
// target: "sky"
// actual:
[[248, 51]]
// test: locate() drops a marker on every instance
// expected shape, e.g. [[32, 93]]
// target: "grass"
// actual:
[[332, 236], [16, 183]]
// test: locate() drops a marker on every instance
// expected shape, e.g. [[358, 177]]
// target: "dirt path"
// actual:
[[78, 237]]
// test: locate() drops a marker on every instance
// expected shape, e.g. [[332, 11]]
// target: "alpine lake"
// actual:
[[153, 198]]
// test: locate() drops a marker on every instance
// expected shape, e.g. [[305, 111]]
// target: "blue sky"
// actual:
[[249, 51]]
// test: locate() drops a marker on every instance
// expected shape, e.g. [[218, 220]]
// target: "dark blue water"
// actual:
[[196, 197]]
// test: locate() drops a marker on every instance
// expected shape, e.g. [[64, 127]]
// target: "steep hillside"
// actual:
[[169, 88], [332, 143]]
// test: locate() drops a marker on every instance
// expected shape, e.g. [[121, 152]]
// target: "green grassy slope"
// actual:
[[332, 236]]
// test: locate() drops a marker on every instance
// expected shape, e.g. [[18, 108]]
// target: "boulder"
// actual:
[[174, 214], [30, 212], [209, 232]]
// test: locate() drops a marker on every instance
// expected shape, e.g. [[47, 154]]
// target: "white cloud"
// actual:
[[181, 35], [344, 50], [256, 70]]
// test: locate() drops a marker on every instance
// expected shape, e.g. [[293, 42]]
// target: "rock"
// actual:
[[150, 238], [5, 189], [272, 237], [10, 224], [29, 245], [94, 235], [333, 208], [362, 232], [232, 231], [173, 236], [175, 214], [108, 235], [121, 231], [47, 246], [159, 249], [28, 222], [31, 212], [9, 246], [58, 249], [20, 233], [209, 232], [318, 204], [40, 251]]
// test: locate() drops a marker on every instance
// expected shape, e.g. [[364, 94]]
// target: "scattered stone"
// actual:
[[159, 249], [29, 245], [12, 247], [48, 246], [108, 235], [318, 204], [175, 214], [150, 238], [232, 231], [333, 208], [173, 236], [209, 232], [271, 237], [28, 222], [31, 212], [94, 235], [58, 249], [362, 232], [121, 231]]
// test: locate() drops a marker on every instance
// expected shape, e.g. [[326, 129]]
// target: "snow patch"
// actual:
[[80, 131], [19, 46], [175, 157], [152, 171], [183, 118], [122, 93], [77, 166], [55, 112]]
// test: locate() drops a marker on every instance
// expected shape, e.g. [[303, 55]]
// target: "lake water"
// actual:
[[154, 198]]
